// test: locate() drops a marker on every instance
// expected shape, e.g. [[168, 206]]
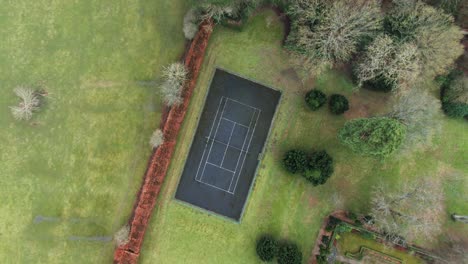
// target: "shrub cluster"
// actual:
[[295, 161], [316, 167], [320, 167], [315, 99], [338, 104], [286, 252], [289, 253], [454, 94], [267, 248]]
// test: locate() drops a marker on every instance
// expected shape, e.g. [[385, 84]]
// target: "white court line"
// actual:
[[222, 143], [212, 164], [212, 143], [216, 187], [206, 145], [229, 141], [248, 146], [243, 144], [234, 122], [242, 103]]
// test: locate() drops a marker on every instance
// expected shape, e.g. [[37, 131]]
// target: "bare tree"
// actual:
[[28, 105], [420, 113], [121, 237], [326, 32], [157, 138], [174, 77], [397, 63], [414, 210], [191, 19]]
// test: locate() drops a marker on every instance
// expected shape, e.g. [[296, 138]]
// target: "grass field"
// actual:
[[350, 242], [70, 175], [282, 204]]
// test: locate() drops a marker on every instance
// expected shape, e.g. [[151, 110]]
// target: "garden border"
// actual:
[[160, 159], [342, 216]]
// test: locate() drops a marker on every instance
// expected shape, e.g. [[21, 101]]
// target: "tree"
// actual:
[[289, 253], [121, 237], [315, 99], [412, 210], [431, 30], [266, 248], [28, 105], [389, 64], [420, 114], [218, 10], [174, 77], [319, 168], [295, 161], [157, 138], [376, 136], [326, 32], [338, 104], [190, 26], [455, 96]]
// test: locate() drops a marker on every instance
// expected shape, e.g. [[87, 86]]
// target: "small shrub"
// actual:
[[319, 168], [295, 161], [455, 95], [266, 248], [121, 236], [157, 138], [289, 253], [368, 235], [174, 77], [343, 228], [325, 240], [315, 99], [28, 105], [190, 26], [338, 104]]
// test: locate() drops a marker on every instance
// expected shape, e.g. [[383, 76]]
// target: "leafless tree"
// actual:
[[28, 105], [421, 114], [326, 32], [174, 77], [413, 210], [157, 138], [191, 19], [121, 237], [397, 63]]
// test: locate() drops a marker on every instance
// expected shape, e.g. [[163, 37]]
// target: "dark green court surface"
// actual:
[[226, 149]]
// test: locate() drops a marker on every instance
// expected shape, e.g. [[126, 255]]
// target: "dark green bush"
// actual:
[[289, 253], [454, 94], [338, 104], [343, 228], [266, 248], [319, 168], [315, 99], [295, 161], [379, 84]]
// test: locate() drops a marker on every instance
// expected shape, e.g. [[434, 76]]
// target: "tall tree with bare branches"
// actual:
[[412, 210]]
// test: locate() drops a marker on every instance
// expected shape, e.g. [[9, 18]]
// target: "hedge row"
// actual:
[[159, 162]]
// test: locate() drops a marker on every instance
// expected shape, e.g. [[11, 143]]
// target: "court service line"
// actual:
[[212, 143], [248, 146], [229, 141], [243, 144]]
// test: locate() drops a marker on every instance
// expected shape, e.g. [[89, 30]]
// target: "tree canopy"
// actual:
[[376, 136], [325, 32]]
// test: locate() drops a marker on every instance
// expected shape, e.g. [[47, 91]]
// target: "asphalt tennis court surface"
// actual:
[[226, 149]]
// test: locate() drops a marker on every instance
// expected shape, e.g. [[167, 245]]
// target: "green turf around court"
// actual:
[[68, 182], [282, 204]]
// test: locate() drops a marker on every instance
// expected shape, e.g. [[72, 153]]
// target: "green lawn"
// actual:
[[282, 204], [350, 242], [80, 161]]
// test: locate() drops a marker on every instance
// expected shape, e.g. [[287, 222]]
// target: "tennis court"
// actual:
[[228, 144]]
